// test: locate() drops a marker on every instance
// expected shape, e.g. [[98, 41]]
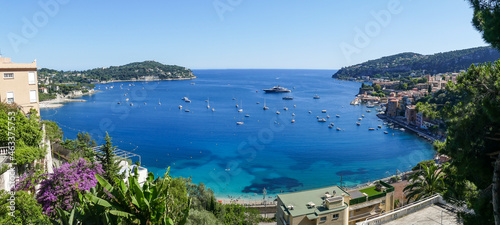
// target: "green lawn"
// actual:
[[370, 191]]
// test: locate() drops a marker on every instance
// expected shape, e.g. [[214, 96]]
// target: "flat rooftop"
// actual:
[[433, 214], [299, 201], [5, 63]]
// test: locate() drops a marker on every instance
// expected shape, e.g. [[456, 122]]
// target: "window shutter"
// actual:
[[31, 78], [33, 96]]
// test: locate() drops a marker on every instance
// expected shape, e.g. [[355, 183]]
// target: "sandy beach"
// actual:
[[55, 103], [257, 200]]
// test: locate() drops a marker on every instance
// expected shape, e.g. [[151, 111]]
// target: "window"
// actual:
[[335, 217], [322, 219], [8, 75], [33, 96], [10, 97], [31, 77]]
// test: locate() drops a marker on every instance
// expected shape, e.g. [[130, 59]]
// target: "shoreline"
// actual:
[[258, 201], [169, 79], [419, 132], [57, 102]]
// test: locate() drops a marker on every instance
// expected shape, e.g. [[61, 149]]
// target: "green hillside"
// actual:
[[130, 71], [405, 64]]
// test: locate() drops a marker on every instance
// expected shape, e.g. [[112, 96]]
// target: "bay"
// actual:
[[267, 151]]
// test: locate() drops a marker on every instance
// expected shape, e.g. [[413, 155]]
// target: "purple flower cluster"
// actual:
[[61, 188], [28, 181]]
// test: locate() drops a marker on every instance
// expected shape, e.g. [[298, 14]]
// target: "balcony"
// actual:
[[365, 215]]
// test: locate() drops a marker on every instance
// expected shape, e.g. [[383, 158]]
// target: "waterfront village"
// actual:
[[399, 106], [371, 203]]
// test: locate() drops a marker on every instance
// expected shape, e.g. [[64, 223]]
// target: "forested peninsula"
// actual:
[[414, 64], [147, 70]]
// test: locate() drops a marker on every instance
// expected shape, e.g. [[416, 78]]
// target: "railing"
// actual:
[[4, 151], [120, 153], [367, 214], [403, 211]]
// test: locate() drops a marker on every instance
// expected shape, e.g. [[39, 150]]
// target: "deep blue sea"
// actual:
[[266, 151]]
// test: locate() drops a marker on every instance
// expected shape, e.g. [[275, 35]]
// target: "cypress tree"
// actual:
[[109, 162]]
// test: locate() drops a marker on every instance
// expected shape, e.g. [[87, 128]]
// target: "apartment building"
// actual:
[[325, 206], [333, 205], [411, 114], [369, 201], [392, 108], [18, 84]]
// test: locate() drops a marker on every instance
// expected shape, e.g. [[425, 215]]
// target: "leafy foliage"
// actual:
[[425, 182], [25, 129], [202, 217], [428, 110], [203, 201], [109, 162], [45, 96], [129, 203], [61, 188], [27, 154], [125, 72], [81, 147], [486, 20], [52, 131], [27, 210], [474, 134], [404, 64]]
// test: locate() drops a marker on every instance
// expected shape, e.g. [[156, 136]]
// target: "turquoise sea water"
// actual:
[[266, 151]]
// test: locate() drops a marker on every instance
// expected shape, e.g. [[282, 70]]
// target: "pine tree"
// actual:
[[109, 162]]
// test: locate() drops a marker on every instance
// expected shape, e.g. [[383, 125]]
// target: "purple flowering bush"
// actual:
[[61, 188], [28, 181]]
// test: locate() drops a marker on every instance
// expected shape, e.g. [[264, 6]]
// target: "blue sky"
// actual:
[[75, 35]]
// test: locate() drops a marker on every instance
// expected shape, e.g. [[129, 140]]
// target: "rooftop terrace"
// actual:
[[310, 202]]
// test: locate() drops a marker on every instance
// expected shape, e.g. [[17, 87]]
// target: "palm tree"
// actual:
[[425, 182]]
